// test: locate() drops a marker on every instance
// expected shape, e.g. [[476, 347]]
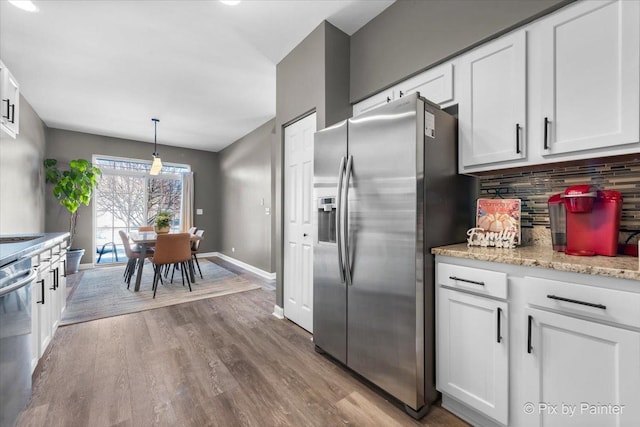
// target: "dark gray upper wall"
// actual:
[[245, 192], [65, 145], [22, 201], [412, 35], [306, 81]]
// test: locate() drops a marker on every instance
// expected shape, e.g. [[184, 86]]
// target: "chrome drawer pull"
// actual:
[[466, 280], [574, 301]]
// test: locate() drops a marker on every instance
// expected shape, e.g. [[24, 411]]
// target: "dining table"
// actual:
[[146, 240]]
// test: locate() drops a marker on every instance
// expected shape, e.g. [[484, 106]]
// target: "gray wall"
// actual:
[[22, 200], [245, 192], [66, 145], [411, 35], [312, 77]]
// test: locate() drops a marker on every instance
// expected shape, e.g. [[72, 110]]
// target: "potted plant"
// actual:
[[163, 222], [72, 188]]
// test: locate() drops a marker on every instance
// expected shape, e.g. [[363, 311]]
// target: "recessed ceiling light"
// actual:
[[24, 5], [230, 2]]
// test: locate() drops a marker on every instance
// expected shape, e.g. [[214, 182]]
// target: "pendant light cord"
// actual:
[[155, 137]]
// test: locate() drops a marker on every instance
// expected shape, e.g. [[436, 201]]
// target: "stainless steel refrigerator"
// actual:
[[386, 190]]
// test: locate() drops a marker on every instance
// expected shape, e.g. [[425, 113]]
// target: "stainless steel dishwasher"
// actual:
[[15, 339]]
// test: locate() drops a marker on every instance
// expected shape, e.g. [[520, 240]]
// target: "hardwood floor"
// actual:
[[223, 361]]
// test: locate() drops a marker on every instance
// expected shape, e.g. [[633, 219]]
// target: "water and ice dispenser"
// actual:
[[327, 219]]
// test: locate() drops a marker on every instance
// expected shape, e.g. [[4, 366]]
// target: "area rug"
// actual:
[[103, 293]]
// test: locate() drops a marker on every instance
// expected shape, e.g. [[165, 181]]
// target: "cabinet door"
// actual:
[[62, 280], [435, 84], [44, 301], [473, 352], [35, 324], [581, 368], [492, 102], [10, 107], [590, 77], [56, 292], [374, 102]]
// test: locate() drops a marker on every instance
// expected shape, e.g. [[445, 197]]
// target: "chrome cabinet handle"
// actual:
[[338, 215], [458, 279], [575, 301]]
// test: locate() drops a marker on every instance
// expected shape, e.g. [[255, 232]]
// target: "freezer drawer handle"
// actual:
[[338, 216], [458, 279], [575, 301], [499, 332]]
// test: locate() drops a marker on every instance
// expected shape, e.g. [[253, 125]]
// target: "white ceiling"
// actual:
[[205, 69]]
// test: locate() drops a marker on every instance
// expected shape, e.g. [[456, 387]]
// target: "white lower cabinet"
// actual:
[[48, 299], [473, 351], [580, 373], [569, 350], [43, 296]]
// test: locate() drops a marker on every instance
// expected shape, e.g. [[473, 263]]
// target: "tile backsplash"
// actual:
[[535, 187]]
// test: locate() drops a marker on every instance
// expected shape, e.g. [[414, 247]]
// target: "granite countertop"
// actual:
[[622, 267], [10, 252]]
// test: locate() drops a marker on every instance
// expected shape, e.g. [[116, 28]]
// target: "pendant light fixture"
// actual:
[[156, 166]]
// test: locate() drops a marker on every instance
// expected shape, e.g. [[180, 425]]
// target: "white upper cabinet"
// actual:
[[374, 102], [576, 79], [492, 102], [10, 106], [589, 59], [435, 84]]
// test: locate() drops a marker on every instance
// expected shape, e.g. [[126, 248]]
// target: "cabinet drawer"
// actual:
[[480, 281], [597, 303]]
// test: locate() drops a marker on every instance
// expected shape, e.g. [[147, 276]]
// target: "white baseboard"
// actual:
[[278, 312], [248, 267]]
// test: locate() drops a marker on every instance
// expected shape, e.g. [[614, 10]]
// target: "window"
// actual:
[[127, 197]]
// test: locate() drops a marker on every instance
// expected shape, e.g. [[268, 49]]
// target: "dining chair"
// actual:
[[171, 249], [195, 245], [133, 254], [193, 230], [146, 228]]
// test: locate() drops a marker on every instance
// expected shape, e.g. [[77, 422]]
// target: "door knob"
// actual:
[[304, 235]]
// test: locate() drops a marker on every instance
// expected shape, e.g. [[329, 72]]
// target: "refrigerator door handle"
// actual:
[[338, 216], [345, 208]]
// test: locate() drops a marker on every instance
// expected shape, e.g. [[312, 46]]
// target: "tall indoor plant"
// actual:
[[72, 187]]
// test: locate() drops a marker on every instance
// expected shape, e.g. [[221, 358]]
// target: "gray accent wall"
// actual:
[[314, 76], [65, 145], [413, 35], [245, 195], [22, 201]]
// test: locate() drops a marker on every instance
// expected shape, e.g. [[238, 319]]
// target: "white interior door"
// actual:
[[298, 231]]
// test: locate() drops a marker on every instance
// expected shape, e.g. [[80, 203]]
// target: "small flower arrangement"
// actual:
[[163, 221]]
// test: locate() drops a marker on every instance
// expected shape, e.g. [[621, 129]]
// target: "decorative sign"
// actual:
[[499, 216], [481, 237]]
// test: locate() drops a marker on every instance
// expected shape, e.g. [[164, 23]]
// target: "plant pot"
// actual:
[[73, 260], [162, 230]]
